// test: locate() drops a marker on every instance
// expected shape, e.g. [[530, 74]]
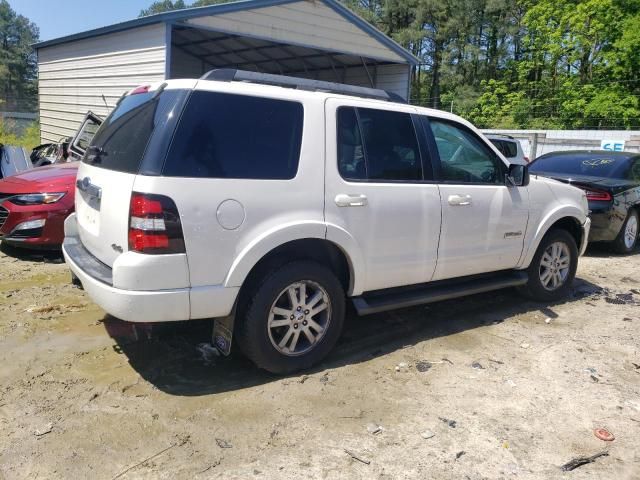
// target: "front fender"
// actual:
[[548, 220]]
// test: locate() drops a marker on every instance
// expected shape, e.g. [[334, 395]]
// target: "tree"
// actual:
[[18, 64], [161, 6]]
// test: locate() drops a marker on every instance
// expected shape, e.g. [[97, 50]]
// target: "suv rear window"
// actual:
[[224, 135], [120, 142]]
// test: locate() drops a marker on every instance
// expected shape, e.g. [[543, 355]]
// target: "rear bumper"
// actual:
[[606, 226], [130, 305], [160, 305]]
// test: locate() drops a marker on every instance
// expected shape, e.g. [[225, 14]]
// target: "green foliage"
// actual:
[[161, 6], [18, 67], [30, 137]]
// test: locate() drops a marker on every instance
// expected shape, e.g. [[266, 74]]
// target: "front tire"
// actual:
[[627, 239], [553, 267], [294, 318]]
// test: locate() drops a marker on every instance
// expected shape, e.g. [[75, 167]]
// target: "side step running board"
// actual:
[[391, 299]]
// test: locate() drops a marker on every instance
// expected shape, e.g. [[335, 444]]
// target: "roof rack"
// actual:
[[235, 75]]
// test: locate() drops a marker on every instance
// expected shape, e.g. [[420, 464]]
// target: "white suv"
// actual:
[[265, 201]]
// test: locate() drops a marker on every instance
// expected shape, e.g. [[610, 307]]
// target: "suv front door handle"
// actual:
[[459, 200], [350, 200]]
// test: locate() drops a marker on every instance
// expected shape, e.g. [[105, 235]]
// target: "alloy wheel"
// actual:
[[631, 232], [554, 266], [299, 317]]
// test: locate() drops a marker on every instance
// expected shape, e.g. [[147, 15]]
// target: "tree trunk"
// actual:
[[434, 91]]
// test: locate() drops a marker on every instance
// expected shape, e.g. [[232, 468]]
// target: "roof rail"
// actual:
[[234, 75]]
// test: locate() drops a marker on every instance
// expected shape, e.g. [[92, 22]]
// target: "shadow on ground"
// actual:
[[604, 250], [32, 255], [172, 358]]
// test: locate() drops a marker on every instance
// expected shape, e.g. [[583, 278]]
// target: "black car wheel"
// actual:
[[553, 267], [294, 318], [627, 239]]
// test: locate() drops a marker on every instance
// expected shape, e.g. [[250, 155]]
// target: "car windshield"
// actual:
[[591, 165]]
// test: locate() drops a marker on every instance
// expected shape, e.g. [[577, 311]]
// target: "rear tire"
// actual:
[[627, 239], [294, 318], [553, 267]]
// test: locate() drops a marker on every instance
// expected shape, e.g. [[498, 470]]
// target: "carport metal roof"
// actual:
[[224, 50], [243, 47]]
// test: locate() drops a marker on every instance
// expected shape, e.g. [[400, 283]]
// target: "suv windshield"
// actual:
[[121, 140], [592, 165]]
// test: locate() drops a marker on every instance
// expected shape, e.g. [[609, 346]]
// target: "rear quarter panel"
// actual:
[[270, 212]]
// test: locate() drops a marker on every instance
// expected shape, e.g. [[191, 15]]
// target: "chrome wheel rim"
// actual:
[[554, 266], [631, 232], [299, 318]]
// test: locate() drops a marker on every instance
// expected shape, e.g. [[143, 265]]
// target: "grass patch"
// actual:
[[29, 139]]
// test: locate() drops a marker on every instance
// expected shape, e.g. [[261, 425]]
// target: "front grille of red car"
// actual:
[[4, 213]]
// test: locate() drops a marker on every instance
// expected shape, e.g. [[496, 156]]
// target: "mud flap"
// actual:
[[223, 333]]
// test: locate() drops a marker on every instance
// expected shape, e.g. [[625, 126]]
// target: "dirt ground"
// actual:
[[492, 386]]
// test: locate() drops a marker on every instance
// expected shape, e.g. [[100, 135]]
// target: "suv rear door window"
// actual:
[[377, 145], [223, 135]]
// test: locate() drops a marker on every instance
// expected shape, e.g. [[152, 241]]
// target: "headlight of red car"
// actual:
[[36, 198]]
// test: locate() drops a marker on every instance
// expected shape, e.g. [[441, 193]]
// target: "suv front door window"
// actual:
[[483, 221], [464, 158]]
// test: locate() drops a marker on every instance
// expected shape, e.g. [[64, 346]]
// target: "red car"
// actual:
[[35, 202], [34, 205]]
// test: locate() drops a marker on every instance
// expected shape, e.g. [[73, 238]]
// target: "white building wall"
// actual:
[[562, 140], [74, 76]]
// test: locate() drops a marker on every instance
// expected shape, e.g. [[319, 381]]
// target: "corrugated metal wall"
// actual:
[[74, 76], [394, 78]]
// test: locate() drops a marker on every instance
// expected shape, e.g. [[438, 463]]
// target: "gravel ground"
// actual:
[[491, 386]]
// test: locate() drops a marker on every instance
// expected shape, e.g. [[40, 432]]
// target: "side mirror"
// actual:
[[518, 176]]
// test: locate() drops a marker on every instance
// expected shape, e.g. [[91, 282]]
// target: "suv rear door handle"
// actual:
[[348, 200], [459, 200]]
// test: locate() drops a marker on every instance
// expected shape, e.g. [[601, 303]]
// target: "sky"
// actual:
[[57, 18]]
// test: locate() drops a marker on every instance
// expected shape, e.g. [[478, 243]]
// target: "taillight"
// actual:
[[597, 195], [154, 225]]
